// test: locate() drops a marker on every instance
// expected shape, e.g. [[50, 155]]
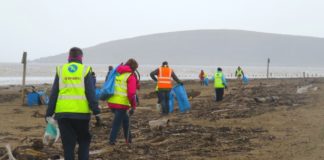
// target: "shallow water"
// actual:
[[10, 73]]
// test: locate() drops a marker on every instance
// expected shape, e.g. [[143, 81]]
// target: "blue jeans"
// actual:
[[121, 118], [164, 96]]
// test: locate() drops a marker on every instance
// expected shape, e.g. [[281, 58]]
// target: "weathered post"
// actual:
[[268, 68], [24, 62]]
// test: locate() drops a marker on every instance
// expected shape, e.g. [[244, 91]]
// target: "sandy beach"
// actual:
[[267, 119]]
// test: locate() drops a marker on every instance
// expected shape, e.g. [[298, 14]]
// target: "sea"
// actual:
[[11, 73]]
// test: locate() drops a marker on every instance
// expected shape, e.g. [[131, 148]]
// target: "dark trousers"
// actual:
[[121, 118], [164, 96], [219, 94], [73, 131]]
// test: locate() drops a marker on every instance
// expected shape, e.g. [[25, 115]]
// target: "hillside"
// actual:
[[207, 47]]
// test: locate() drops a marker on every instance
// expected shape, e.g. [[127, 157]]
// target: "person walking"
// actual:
[[72, 100], [110, 68], [164, 83], [239, 73], [202, 77], [124, 99], [219, 84]]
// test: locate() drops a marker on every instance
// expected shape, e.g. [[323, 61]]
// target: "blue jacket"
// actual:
[[90, 94]]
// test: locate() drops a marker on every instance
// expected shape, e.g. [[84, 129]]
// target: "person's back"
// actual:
[[219, 84], [124, 99], [164, 84], [72, 100]]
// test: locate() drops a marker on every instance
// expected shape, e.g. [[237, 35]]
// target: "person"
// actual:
[[239, 73], [202, 77], [94, 78], [72, 100], [124, 99], [219, 84], [164, 83], [110, 68]]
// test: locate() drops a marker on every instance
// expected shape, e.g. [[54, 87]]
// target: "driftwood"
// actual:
[[9, 153], [160, 123]]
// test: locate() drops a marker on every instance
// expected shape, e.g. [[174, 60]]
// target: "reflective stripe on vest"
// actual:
[[164, 78], [219, 80], [72, 98], [120, 92]]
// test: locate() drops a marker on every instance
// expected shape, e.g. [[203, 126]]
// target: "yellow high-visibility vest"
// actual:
[[72, 97], [120, 92], [219, 80]]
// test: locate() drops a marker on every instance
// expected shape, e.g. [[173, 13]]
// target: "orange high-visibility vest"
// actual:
[[164, 78]]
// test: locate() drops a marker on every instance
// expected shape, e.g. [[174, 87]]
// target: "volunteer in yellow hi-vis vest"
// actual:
[[239, 73], [123, 99], [219, 84], [71, 102]]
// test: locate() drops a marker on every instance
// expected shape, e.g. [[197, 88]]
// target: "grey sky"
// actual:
[[49, 27]]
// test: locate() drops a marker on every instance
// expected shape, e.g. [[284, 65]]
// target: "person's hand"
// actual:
[[180, 83], [46, 119], [226, 87], [131, 112], [98, 120]]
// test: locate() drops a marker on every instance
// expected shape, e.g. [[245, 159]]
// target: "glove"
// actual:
[[98, 121], [180, 83], [131, 112], [226, 87]]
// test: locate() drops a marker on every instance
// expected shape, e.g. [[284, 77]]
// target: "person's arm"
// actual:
[[91, 93], [131, 90], [175, 78], [153, 74], [53, 98]]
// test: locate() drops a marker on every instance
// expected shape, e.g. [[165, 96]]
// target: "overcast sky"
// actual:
[[49, 27]]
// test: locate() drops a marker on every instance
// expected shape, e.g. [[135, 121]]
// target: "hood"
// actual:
[[124, 69]]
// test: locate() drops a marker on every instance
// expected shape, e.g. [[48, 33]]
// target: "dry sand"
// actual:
[[263, 120]]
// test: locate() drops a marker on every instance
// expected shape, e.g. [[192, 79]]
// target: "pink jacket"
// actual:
[[131, 89]]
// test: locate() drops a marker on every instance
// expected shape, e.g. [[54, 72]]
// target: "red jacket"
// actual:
[[131, 88]]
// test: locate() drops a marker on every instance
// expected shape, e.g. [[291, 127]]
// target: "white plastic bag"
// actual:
[[52, 132]]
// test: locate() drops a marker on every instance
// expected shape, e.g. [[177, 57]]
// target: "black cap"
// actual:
[[219, 69], [165, 63]]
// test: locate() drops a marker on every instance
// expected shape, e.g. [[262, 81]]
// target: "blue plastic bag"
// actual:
[[33, 99], [245, 80], [44, 99], [109, 86], [182, 98], [171, 101], [206, 81], [97, 93]]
